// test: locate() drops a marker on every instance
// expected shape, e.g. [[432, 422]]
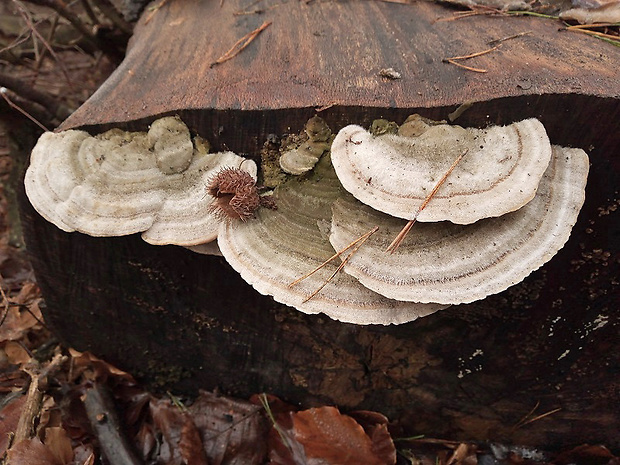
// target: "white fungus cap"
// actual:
[[394, 174], [120, 183]]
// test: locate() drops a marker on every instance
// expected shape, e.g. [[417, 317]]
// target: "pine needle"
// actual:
[[536, 418], [468, 68], [403, 233], [473, 55], [363, 237], [241, 44], [360, 241]]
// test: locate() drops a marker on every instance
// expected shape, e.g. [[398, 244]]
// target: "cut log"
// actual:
[[185, 321]]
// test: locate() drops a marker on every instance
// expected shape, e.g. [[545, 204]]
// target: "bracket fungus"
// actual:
[[301, 159], [394, 173], [118, 183], [509, 208], [282, 245], [451, 263]]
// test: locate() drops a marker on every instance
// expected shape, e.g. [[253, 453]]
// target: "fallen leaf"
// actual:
[[16, 353], [59, 444], [190, 444], [464, 454], [9, 417], [586, 455], [32, 452], [233, 431], [376, 427], [329, 437]]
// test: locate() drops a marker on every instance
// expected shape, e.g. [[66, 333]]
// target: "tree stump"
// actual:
[[185, 321]]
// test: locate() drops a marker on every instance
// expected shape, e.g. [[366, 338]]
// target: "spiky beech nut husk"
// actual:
[[236, 195]]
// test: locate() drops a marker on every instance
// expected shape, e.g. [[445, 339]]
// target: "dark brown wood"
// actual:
[[185, 321]]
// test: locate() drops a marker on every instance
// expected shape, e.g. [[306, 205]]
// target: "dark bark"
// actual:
[[187, 321]]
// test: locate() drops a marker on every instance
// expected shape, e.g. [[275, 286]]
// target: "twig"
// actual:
[[38, 35], [3, 92], [324, 107], [515, 36], [102, 415], [23, 89], [403, 233], [592, 26], [89, 12], [596, 34], [5, 302], [241, 44], [110, 12], [50, 36], [530, 13], [526, 416], [34, 397], [452, 60], [61, 8]]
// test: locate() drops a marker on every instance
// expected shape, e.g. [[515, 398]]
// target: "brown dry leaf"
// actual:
[[233, 431], [16, 353], [376, 427], [32, 452], [586, 455], [190, 445], [145, 441], [329, 437], [85, 363], [74, 418], [27, 294], [59, 444], [181, 442], [17, 321], [464, 454], [9, 417]]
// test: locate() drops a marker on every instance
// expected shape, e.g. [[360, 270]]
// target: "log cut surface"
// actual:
[[184, 321]]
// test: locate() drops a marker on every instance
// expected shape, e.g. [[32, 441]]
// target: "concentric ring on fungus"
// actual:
[[118, 183], [452, 264], [394, 173], [279, 246]]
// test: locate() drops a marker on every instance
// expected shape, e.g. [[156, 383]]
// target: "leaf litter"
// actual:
[[210, 429]]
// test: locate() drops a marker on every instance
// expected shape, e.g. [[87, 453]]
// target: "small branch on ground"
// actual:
[[105, 46], [34, 397], [28, 114], [27, 91], [102, 415]]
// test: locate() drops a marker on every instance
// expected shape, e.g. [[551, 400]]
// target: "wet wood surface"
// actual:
[[184, 321]]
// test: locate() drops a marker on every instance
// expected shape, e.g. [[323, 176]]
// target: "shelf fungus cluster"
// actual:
[[494, 205], [120, 183], [491, 205]]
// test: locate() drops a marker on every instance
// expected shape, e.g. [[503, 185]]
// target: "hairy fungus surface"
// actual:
[[281, 246], [120, 183], [452, 264], [394, 174]]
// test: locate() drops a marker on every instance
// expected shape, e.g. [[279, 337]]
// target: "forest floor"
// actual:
[[59, 406]]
